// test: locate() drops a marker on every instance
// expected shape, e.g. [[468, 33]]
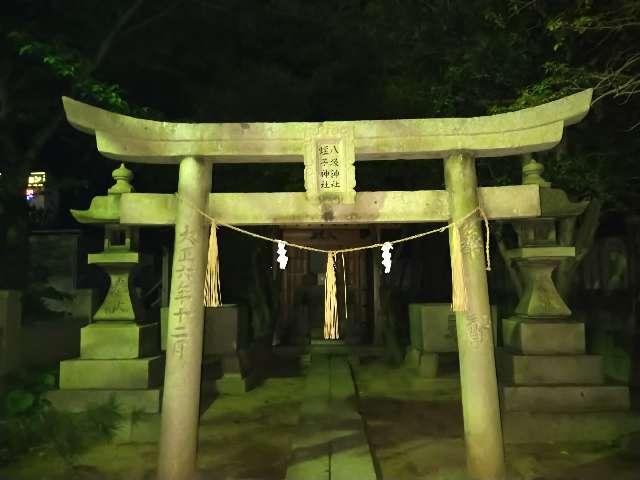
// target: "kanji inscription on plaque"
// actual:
[[329, 170]]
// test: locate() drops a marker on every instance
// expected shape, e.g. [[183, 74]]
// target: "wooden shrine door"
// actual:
[[303, 286]]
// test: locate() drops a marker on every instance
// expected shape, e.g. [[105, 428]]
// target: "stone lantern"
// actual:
[[543, 366], [119, 352]]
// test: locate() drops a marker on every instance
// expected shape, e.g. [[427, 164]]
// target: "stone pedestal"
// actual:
[[543, 366], [226, 334], [432, 331]]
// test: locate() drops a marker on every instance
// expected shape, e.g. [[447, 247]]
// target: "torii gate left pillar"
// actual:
[[181, 400]]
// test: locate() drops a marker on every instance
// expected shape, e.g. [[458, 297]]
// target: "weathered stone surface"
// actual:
[[555, 203], [164, 319], [480, 402], [85, 303], [296, 208], [144, 400], [540, 297], [523, 427], [543, 337], [549, 369], [412, 358], [121, 340], [111, 374], [144, 141], [225, 329], [119, 303], [428, 366], [432, 327], [565, 398]]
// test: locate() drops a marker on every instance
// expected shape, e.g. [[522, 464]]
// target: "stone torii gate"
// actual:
[[328, 150]]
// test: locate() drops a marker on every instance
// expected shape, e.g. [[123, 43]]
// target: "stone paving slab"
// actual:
[[330, 442]]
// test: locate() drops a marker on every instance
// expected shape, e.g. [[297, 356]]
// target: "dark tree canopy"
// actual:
[[285, 60]]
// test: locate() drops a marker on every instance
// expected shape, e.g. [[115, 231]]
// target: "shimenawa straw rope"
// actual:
[[459, 294]]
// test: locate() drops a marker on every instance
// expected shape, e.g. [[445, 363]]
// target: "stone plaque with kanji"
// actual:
[[329, 173]]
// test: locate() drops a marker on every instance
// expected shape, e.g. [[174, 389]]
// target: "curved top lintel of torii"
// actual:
[[136, 140]]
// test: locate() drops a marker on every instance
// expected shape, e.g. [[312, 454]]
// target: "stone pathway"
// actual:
[[330, 442]]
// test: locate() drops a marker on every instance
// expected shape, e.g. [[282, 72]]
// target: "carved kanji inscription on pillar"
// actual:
[[183, 293]]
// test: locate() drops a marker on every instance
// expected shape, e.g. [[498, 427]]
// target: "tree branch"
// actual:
[[107, 43], [153, 18], [41, 138]]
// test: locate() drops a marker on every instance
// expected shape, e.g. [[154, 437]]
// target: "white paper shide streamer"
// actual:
[[386, 256], [282, 255]]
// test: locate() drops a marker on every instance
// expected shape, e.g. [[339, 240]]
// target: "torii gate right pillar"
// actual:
[[480, 404]]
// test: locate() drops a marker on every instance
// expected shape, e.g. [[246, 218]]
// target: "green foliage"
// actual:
[[18, 401], [560, 80], [71, 65], [28, 422]]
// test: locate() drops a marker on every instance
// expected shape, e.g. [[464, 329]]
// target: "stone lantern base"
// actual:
[[117, 360]]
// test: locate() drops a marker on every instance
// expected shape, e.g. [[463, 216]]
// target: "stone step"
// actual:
[[564, 398], [514, 369], [139, 373], [543, 337], [75, 401], [119, 340], [524, 427]]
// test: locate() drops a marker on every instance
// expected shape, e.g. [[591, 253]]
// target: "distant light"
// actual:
[[37, 179], [30, 193]]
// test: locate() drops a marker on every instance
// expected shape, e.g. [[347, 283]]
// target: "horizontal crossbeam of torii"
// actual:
[[293, 208], [196, 147]]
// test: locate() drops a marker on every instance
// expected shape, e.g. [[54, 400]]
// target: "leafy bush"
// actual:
[[28, 421]]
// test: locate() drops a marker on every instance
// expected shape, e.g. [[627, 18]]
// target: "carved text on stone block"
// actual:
[[329, 170]]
